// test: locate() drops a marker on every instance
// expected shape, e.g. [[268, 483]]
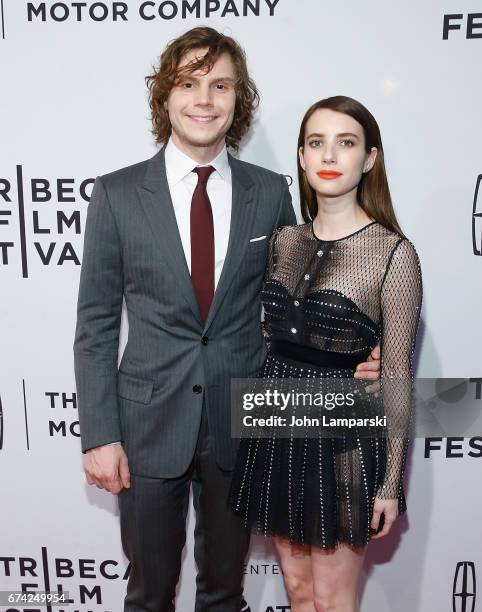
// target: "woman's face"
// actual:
[[333, 155]]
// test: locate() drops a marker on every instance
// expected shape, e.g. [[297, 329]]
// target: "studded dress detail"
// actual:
[[336, 299]]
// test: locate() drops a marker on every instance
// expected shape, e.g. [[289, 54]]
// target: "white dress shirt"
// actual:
[[182, 181]]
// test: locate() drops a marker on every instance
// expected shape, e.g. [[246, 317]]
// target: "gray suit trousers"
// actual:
[[153, 518]]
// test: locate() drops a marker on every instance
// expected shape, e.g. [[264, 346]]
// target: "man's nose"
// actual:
[[203, 96]]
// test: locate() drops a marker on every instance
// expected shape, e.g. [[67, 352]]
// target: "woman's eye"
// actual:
[[347, 142], [315, 143]]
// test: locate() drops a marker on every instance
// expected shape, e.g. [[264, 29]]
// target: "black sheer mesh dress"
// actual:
[[327, 304]]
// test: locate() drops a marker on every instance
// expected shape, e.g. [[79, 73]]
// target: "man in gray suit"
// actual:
[[182, 238]]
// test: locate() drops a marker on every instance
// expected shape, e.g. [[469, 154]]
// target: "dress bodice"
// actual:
[[332, 295]]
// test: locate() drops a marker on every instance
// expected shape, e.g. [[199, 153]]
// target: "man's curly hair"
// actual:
[[167, 74]]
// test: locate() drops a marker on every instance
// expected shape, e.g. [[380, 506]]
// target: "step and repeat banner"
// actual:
[[74, 105]]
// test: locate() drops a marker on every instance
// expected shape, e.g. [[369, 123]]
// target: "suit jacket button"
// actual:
[[197, 389], [205, 340]]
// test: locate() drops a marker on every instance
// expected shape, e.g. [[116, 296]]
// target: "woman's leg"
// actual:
[[297, 574], [336, 576]]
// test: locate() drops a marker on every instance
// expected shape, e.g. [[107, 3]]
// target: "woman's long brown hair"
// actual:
[[373, 193]]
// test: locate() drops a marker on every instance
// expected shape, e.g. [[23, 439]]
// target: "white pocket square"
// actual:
[[256, 239]]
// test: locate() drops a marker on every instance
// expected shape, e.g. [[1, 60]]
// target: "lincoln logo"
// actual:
[[477, 219], [463, 596]]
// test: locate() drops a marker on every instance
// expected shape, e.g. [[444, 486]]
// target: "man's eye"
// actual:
[[220, 86]]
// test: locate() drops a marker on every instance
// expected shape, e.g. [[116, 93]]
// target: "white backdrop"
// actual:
[[74, 105]]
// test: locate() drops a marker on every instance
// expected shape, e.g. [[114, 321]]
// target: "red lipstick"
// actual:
[[328, 174]]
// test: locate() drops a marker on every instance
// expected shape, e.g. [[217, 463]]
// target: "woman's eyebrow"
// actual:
[[340, 134]]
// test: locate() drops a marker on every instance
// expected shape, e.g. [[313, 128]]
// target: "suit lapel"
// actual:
[[242, 216], [156, 202]]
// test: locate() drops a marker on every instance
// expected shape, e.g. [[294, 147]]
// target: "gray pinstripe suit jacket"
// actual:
[[132, 250]]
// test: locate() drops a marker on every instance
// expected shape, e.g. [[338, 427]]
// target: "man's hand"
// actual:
[[107, 467], [370, 370]]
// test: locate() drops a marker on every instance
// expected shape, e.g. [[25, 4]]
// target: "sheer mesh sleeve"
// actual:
[[401, 299], [270, 266]]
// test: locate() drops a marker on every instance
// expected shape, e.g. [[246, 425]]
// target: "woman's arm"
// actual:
[[270, 266], [401, 300]]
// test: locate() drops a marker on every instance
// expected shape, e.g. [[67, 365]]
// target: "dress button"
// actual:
[[307, 277], [205, 340], [197, 389], [319, 253], [296, 303], [293, 330]]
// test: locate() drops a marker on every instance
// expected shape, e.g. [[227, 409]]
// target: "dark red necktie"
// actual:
[[202, 242]]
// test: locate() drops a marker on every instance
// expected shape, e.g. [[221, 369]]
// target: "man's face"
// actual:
[[201, 105]]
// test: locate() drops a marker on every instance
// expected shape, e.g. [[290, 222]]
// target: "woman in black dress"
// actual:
[[335, 287]]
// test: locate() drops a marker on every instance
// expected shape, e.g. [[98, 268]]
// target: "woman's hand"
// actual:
[[389, 507]]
